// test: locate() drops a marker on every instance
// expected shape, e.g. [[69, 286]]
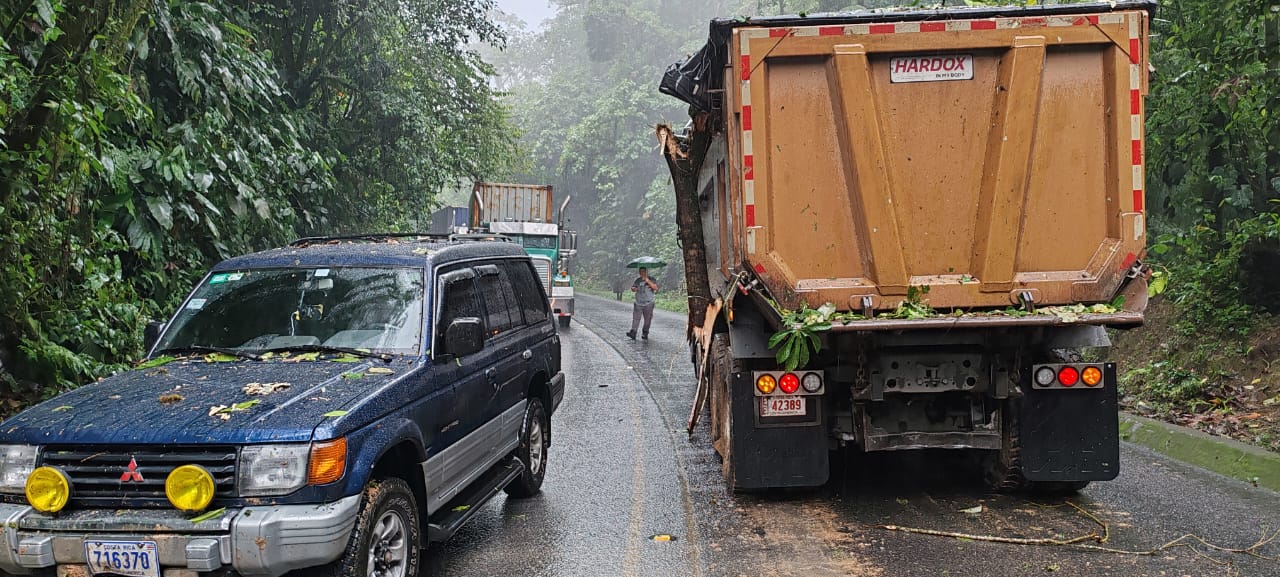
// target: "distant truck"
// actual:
[[450, 220], [524, 212], [948, 204]]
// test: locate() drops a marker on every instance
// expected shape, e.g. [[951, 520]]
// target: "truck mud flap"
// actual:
[[764, 456], [1070, 434]]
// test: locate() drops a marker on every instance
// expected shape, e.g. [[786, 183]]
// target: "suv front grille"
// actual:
[[97, 473]]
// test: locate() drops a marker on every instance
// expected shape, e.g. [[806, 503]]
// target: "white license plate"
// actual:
[[781, 406], [126, 558]]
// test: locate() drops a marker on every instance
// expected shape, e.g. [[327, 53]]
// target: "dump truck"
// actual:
[[915, 227], [524, 212]]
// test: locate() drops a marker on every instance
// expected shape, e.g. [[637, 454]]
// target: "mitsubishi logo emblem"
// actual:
[[131, 475]]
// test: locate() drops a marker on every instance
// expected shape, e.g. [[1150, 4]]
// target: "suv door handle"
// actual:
[[527, 354]]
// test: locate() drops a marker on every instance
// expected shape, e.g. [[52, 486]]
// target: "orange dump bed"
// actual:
[[986, 158]]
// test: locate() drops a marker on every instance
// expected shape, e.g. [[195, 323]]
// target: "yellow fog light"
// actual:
[[189, 488], [48, 489], [766, 384]]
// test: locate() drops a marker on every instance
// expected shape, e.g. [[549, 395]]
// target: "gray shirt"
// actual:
[[644, 294]]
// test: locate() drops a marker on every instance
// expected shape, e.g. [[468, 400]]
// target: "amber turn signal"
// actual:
[[1091, 376], [328, 461], [766, 384]]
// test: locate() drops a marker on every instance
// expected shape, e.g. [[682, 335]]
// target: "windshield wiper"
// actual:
[[204, 349], [328, 349]]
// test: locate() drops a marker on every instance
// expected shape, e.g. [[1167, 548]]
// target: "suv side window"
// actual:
[[498, 319], [524, 283], [459, 301]]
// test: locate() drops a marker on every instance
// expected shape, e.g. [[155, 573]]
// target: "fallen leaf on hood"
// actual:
[[224, 412], [156, 362], [972, 510], [170, 398], [381, 371], [461, 508], [303, 357], [345, 358], [264, 388], [352, 376], [334, 414], [62, 408], [220, 358]]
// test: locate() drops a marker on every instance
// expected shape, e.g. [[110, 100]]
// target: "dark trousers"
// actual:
[[637, 311]]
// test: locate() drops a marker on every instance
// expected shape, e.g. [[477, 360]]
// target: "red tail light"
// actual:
[[789, 383], [1068, 376]]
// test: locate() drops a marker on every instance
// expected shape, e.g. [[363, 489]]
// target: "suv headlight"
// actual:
[[16, 464], [272, 469]]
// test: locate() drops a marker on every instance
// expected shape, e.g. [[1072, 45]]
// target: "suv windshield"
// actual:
[[379, 309]]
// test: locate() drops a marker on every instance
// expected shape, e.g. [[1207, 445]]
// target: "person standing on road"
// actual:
[[645, 289]]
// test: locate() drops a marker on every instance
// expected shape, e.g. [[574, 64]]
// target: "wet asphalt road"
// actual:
[[622, 470]]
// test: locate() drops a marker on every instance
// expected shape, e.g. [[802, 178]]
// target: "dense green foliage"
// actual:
[[1213, 187], [142, 140]]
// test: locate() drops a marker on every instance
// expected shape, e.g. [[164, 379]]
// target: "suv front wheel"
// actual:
[[387, 540], [532, 451]]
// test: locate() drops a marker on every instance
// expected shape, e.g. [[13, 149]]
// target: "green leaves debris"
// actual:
[[224, 412], [334, 414], [214, 514], [264, 388], [156, 362]]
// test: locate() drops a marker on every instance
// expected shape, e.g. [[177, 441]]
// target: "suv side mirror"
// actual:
[[151, 335], [464, 336]]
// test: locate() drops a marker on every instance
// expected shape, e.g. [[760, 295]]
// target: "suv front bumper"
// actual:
[[267, 541]]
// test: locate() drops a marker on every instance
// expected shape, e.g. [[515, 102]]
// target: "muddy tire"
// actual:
[[387, 538], [535, 435], [564, 322], [1002, 470]]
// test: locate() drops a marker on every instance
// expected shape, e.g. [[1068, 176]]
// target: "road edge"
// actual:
[[1221, 455]]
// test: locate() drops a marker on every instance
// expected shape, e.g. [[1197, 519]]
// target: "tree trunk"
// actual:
[[684, 166], [1271, 47]]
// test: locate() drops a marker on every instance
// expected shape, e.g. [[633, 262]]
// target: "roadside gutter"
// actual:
[[1221, 455]]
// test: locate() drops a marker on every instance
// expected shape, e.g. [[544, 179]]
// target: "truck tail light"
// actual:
[[1068, 376], [1091, 376], [766, 384], [811, 382], [1045, 376], [790, 383]]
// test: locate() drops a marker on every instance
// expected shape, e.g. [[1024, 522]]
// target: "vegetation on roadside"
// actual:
[[142, 140], [1213, 180]]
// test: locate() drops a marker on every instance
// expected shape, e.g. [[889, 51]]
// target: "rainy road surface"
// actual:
[[622, 470]]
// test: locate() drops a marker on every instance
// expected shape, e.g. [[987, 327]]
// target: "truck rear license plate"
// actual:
[[126, 558], [782, 406]]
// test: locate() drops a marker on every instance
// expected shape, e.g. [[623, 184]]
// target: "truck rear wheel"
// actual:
[[564, 322], [1002, 470]]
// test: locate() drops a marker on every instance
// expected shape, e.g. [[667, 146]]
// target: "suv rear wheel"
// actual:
[[532, 451], [387, 540]]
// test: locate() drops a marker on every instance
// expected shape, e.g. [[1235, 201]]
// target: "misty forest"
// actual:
[[143, 140]]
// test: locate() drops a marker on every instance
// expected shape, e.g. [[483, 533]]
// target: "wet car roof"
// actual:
[[412, 252]]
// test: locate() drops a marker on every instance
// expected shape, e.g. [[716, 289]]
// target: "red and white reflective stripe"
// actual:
[[1135, 115], [748, 150]]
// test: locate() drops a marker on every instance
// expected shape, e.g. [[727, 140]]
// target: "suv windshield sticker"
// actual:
[[196, 304]]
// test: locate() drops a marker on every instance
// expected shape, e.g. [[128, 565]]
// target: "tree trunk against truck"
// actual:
[[937, 208]]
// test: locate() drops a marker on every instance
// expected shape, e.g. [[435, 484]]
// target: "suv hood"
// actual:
[[172, 404]]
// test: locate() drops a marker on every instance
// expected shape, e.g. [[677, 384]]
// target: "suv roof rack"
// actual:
[[416, 236]]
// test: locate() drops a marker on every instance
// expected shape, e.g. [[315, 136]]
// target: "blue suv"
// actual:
[[332, 405]]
